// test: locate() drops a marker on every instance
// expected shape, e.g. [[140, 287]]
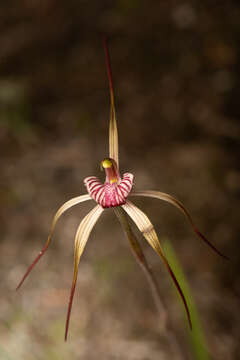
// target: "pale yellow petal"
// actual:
[[81, 238], [145, 226]]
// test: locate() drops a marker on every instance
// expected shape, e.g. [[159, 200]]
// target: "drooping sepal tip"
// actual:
[[69, 308], [180, 292], [210, 244], [30, 268]]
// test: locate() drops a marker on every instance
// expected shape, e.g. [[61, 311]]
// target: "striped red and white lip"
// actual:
[[114, 191]]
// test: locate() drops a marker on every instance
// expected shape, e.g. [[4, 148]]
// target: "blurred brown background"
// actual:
[[176, 74]]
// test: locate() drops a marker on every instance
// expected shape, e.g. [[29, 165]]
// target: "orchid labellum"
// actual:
[[114, 193]]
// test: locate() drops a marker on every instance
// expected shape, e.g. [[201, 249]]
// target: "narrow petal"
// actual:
[[67, 205], [147, 229], [81, 238], [180, 206], [113, 131]]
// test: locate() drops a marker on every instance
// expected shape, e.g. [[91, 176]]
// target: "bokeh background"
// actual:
[[176, 74]]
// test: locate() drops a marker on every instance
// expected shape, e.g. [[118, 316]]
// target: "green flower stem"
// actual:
[[196, 336]]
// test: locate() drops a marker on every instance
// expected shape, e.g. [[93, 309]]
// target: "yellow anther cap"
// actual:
[[106, 163]]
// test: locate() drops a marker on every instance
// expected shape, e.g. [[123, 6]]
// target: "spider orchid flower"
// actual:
[[114, 193]]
